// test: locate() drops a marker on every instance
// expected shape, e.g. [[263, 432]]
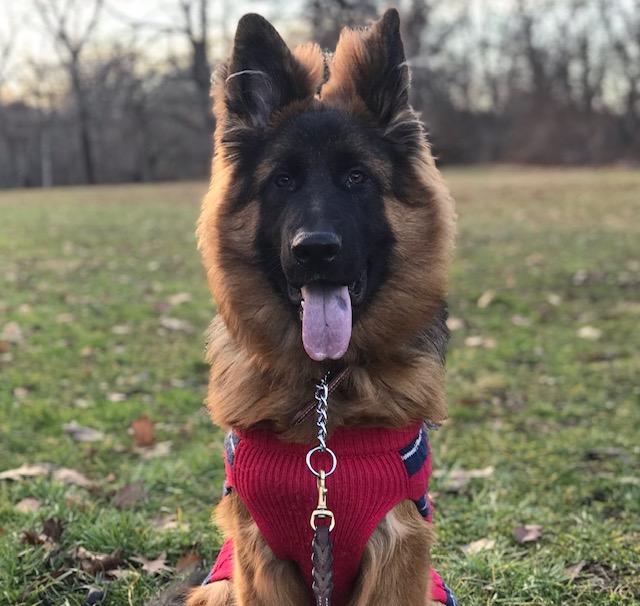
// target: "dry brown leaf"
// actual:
[[590, 333], [457, 479], [12, 333], [189, 560], [527, 533], [480, 341], [20, 393], [522, 321], [454, 323], [486, 298], [93, 563], [121, 329], [573, 571], [82, 434], [478, 546], [153, 567], [175, 324], [28, 505], [116, 397], [71, 476], [166, 522], [53, 528], [179, 298], [143, 431], [26, 471], [129, 495], [160, 449], [31, 537]]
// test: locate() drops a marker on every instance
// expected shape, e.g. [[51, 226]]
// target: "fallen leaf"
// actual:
[[479, 341], [28, 505], [87, 352], [121, 573], [527, 533], [454, 323], [116, 397], [121, 329], [82, 434], [143, 431], [457, 479], [31, 537], [12, 333], [94, 563], [573, 571], [71, 476], [5, 346], [554, 299], [26, 471], [189, 560], [53, 528], [153, 567], [522, 321], [169, 521], [580, 277], [486, 298], [160, 449], [20, 393], [478, 546], [129, 495], [179, 298], [590, 333], [175, 324]]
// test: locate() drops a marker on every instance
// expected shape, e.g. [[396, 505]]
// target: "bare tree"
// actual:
[[59, 17], [195, 14]]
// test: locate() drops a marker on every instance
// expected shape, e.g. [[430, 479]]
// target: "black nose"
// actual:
[[316, 247]]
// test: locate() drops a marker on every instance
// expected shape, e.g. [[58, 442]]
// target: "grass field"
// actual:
[[102, 308]]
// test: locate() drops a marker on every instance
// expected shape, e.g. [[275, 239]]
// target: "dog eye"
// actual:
[[283, 180], [356, 177]]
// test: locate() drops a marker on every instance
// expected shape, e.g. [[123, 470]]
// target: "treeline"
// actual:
[[537, 81]]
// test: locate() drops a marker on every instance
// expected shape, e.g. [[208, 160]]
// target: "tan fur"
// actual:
[[260, 373], [397, 550]]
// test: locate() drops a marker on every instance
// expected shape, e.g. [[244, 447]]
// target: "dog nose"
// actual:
[[316, 247]]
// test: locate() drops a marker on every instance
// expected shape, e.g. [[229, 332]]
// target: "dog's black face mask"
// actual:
[[323, 238], [324, 169]]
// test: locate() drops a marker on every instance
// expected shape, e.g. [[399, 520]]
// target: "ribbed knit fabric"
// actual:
[[376, 470]]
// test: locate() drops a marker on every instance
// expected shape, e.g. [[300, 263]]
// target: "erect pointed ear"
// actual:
[[262, 75], [370, 66]]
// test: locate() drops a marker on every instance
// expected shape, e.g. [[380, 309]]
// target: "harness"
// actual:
[[379, 468]]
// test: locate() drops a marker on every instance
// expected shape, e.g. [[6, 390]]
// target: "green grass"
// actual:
[[556, 415]]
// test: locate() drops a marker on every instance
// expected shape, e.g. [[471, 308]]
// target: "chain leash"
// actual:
[[321, 552]]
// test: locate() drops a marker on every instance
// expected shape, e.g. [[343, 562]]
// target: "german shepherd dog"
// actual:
[[326, 236]]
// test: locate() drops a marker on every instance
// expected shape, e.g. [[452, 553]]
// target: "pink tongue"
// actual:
[[326, 321]]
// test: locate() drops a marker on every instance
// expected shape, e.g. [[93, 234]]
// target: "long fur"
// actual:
[[396, 359]]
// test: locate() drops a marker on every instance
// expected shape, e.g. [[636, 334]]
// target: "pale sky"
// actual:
[[19, 21]]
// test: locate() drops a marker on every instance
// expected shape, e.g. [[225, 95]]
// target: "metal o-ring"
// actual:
[[334, 461]]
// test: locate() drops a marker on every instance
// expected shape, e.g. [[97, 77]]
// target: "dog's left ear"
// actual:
[[369, 66]]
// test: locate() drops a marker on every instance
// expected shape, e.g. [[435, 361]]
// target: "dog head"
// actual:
[[327, 228]]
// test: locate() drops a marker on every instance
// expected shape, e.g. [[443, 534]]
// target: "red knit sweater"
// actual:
[[377, 469]]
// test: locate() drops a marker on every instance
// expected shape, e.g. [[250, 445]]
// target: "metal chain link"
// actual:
[[322, 405]]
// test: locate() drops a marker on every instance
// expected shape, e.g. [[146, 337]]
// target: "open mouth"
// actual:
[[326, 314]]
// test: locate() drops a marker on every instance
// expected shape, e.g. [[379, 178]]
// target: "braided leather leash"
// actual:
[[321, 550]]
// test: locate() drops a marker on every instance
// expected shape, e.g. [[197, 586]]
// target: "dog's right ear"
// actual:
[[262, 75]]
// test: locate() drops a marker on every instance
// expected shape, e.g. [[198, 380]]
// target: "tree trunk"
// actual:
[[84, 121]]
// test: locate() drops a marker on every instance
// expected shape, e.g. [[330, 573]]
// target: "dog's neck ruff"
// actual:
[[379, 468]]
